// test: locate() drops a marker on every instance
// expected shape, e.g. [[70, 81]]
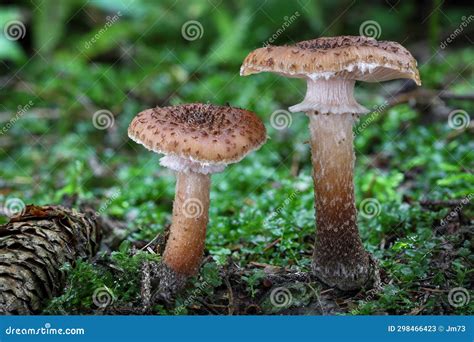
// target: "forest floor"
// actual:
[[414, 169]]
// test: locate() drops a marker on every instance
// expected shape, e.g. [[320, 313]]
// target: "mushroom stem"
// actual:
[[339, 258], [185, 246], [330, 96]]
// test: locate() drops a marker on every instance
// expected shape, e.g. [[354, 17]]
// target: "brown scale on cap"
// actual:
[[201, 132], [338, 55]]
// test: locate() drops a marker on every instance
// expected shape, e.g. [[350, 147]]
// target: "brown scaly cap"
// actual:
[[203, 133], [352, 57]]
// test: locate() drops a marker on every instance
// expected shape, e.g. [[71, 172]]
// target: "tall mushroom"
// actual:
[[331, 66], [197, 140]]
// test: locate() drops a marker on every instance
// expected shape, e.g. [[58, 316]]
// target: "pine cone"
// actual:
[[33, 248]]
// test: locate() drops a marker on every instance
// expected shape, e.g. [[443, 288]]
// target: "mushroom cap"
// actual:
[[352, 57], [203, 133]]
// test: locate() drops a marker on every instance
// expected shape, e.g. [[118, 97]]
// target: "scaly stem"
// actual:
[[185, 246], [339, 258], [332, 96]]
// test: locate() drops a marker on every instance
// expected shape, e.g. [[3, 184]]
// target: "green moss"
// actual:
[[261, 208]]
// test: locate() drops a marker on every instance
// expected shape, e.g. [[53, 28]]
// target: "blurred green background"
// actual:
[[65, 64]]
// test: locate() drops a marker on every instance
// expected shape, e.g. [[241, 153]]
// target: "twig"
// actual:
[[432, 290], [150, 243], [272, 244], [446, 95], [231, 296], [326, 291], [262, 265], [210, 306], [444, 203]]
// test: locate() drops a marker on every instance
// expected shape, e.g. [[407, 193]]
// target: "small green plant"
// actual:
[[118, 275]]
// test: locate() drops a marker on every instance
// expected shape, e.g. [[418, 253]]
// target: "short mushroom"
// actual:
[[197, 140], [331, 66]]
